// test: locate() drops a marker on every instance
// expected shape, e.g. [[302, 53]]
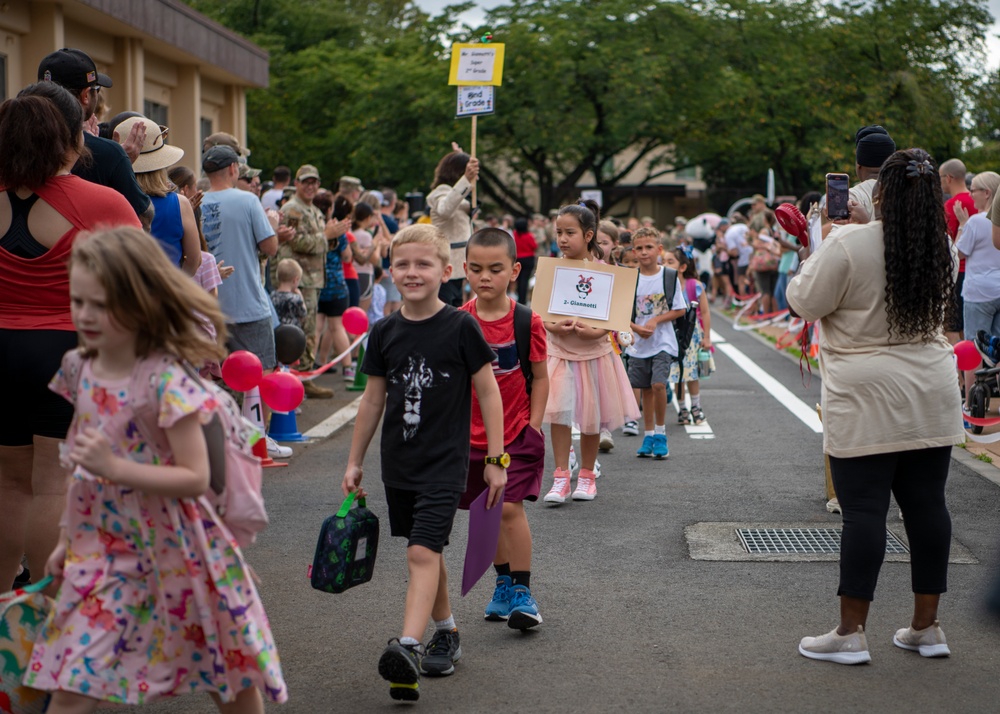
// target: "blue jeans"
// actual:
[[981, 316], [779, 290]]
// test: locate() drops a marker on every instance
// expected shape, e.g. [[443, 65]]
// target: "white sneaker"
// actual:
[[842, 649], [607, 443], [573, 463], [597, 469], [276, 450], [630, 428], [929, 642]]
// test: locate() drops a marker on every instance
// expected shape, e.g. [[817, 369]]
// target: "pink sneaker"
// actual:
[[560, 487], [586, 486]]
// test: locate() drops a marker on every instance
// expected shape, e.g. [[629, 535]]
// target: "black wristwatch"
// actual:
[[503, 460]]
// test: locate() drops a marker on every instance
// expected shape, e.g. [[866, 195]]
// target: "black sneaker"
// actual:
[[400, 666], [683, 416], [442, 652], [23, 578]]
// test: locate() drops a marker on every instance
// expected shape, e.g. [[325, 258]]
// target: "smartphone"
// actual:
[[837, 186]]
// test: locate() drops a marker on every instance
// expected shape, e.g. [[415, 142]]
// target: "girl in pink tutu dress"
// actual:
[[588, 385], [156, 599]]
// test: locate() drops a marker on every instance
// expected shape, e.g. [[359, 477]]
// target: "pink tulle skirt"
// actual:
[[592, 394]]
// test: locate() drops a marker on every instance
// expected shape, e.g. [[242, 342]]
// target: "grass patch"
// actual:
[[963, 445], [985, 458]]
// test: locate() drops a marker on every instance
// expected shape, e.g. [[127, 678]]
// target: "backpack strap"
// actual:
[[669, 288], [522, 339]]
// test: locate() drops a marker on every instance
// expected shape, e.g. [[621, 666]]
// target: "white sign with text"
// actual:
[[581, 293], [473, 101]]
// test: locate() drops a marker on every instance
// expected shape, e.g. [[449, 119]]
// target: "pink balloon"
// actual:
[[355, 321], [242, 371], [282, 391], [967, 355]]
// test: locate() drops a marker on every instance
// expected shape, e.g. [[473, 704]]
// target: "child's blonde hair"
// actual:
[[289, 270], [646, 233], [425, 234], [610, 230], [148, 295]]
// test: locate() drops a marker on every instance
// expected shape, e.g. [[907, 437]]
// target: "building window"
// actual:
[[156, 112], [206, 128]]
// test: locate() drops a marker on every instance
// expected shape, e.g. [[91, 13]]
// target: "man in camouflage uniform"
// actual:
[[308, 248]]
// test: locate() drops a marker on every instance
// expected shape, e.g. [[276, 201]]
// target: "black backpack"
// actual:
[[522, 338], [683, 325]]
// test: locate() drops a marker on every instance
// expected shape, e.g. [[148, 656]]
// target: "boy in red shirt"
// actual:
[[490, 266]]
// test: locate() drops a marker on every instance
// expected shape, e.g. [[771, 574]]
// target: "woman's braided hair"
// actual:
[[918, 260]]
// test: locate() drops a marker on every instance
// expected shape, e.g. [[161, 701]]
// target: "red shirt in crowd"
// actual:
[[526, 244], [34, 293], [350, 272], [507, 369], [949, 213]]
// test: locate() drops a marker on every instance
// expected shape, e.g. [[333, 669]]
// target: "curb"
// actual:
[[987, 471]]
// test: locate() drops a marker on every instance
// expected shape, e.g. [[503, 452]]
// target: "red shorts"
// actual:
[[524, 475]]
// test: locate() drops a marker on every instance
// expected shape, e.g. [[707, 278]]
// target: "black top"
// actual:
[[17, 239], [109, 166], [428, 367]]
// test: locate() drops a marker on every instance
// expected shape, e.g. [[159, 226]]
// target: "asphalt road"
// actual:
[[632, 623]]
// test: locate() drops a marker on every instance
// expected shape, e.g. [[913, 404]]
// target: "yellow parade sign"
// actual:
[[476, 64]]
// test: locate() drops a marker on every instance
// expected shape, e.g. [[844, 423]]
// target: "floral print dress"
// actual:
[[156, 598]]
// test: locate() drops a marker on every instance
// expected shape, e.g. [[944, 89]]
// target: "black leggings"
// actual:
[[527, 270], [917, 479]]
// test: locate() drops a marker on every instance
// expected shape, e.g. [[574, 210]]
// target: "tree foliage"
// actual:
[[595, 91]]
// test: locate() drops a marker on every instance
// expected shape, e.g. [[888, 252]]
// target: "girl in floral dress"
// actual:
[[156, 598]]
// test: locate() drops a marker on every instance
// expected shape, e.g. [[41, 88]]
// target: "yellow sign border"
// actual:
[[497, 63]]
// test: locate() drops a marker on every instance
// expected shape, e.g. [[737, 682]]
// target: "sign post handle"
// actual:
[[476, 184]]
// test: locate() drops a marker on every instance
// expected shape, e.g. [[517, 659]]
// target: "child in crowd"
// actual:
[[423, 362], [655, 347], [376, 311], [156, 599], [587, 382], [607, 240], [491, 264], [685, 372], [287, 298], [628, 258]]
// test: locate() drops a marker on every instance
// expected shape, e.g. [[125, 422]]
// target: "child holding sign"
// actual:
[[587, 382]]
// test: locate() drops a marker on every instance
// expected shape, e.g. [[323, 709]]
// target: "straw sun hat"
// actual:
[[155, 155]]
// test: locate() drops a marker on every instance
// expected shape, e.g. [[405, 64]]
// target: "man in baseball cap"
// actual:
[[110, 165]]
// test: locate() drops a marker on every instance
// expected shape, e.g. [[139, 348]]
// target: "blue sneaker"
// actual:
[[646, 450], [499, 607], [660, 448], [523, 609]]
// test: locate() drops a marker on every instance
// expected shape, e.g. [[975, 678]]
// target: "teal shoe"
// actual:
[[498, 608], [646, 450]]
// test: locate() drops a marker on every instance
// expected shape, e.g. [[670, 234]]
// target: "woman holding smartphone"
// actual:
[[891, 412]]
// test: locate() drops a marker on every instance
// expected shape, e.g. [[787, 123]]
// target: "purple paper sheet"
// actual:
[[484, 534]]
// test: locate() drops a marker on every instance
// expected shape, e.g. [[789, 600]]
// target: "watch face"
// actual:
[[505, 460]]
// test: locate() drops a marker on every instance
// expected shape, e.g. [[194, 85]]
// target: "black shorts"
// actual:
[[423, 517], [366, 284], [353, 291], [335, 307], [29, 359]]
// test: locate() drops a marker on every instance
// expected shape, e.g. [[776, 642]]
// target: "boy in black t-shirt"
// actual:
[[422, 363]]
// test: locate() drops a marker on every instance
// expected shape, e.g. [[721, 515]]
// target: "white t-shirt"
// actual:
[[982, 267], [270, 198], [736, 237], [650, 302]]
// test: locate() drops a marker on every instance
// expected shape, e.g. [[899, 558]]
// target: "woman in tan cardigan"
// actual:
[[450, 211], [891, 409]]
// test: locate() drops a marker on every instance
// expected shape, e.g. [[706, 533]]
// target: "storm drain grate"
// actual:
[[803, 540]]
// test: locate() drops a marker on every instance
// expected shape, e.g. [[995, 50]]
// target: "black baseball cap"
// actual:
[[218, 158], [72, 69]]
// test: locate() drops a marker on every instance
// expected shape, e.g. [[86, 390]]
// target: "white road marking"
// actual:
[[788, 400], [335, 421]]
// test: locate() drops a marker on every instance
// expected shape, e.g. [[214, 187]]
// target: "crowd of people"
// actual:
[[116, 255]]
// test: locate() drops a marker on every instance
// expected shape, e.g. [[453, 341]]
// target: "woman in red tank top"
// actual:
[[42, 209]]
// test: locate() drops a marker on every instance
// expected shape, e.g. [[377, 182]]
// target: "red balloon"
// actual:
[[282, 391], [355, 321], [242, 371], [967, 355]]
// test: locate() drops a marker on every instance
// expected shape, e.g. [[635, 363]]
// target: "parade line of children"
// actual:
[[472, 378], [142, 550]]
